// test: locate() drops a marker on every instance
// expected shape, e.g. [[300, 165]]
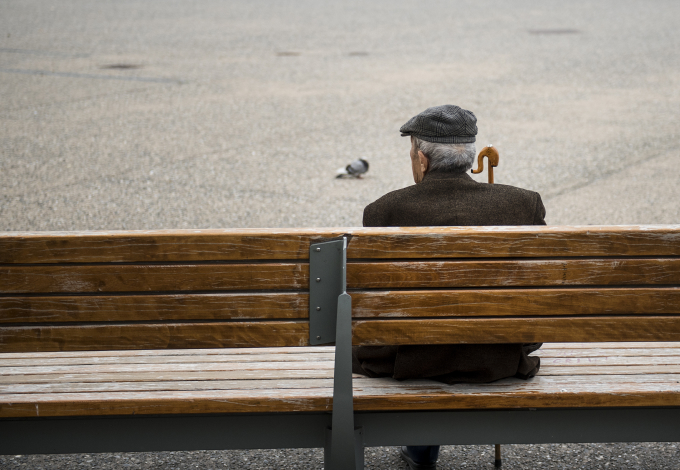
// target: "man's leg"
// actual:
[[420, 457]]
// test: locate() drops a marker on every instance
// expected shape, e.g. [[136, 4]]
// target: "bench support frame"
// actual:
[[263, 431], [330, 319]]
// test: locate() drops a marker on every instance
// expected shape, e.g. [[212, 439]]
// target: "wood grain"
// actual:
[[170, 402], [100, 308], [546, 351], [520, 273], [647, 380], [541, 383], [149, 278], [183, 385], [154, 336], [617, 345], [604, 370], [520, 302], [164, 368], [142, 376], [381, 243], [609, 361], [157, 245], [176, 352], [566, 393], [184, 359], [515, 242], [515, 330], [515, 302]]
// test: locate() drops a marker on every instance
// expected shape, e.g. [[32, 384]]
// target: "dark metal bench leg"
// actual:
[[498, 461], [358, 449], [343, 433]]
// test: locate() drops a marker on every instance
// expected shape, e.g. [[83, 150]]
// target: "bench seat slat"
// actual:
[[216, 373], [538, 384], [379, 243], [616, 345], [184, 359], [560, 392], [607, 352], [549, 366], [612, 360], [520, 273], [601, 370], [168, 402], [510, 302], [112, 364], [142, 376], [175, 352], [180, 385], [370, 395], [155, 336], [165, 368], [118, 308], [515, 330], [150, 278]]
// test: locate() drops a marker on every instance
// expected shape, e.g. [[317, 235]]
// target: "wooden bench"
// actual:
[[195, 339]]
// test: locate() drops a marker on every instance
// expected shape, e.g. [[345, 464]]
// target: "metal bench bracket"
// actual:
[[327, 264]]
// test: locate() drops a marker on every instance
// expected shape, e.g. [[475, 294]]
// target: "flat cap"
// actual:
[[447, 124]]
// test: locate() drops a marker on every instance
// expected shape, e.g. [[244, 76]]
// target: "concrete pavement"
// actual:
[[238, 113]]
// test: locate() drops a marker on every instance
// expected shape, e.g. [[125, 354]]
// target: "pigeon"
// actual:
[[353, 170]]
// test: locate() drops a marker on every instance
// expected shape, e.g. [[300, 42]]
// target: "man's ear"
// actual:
[[424, 162]]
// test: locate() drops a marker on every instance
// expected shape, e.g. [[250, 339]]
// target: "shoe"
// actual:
[[420, 457]]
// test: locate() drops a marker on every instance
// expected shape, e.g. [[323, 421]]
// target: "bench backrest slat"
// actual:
[[515, 302], [155, 307], [517, 330], [160, 246], [506, 273], [105, 336], [127, 278]]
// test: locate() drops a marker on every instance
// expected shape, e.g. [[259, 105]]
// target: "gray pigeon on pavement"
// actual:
[[354, 169]]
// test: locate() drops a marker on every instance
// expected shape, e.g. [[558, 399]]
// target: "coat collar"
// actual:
[[439, 175]]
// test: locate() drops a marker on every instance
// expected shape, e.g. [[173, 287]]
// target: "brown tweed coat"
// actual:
[[451, 199]]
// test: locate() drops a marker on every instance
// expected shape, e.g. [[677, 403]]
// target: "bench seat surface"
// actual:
[[301, 380]]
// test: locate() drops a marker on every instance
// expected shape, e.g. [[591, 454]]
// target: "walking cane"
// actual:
[[492, 155]]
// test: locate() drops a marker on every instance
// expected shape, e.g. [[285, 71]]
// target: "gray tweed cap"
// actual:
[[447, 124]]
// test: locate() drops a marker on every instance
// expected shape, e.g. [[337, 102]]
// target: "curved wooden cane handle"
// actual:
[[492, 154]]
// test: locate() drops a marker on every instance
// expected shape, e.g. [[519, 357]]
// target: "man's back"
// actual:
[[449, 199], [444, 199]]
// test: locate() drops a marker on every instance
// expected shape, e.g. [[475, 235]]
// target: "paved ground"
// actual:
[[556, 457], [237, 114], [240, 112]]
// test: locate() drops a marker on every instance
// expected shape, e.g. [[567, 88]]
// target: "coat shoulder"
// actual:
[[377, 213]]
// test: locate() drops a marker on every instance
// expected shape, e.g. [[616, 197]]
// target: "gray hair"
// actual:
[[449, 158]]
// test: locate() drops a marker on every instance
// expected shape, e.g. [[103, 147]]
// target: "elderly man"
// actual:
[[442, 152]]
